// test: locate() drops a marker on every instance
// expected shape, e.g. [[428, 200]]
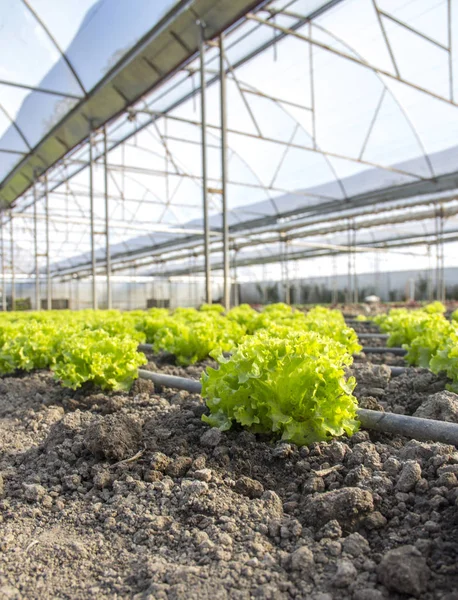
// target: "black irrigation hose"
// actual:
[[181, 383], [378, 336], [396, 371], [414, 427], [145, 347], [383, 350]]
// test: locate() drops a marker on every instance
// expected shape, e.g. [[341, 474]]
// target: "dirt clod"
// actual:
[[211, 438], [442, 406], [249, 487], [302, 560], [404, 570], [347, 505], [115, 437], [410, 475]]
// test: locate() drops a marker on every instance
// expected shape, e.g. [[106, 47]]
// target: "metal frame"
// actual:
[[107, 221], [263, 231], [12, 263], [203, 116]]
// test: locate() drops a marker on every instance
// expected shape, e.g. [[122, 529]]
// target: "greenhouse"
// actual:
[[322, 144], [229, 299]]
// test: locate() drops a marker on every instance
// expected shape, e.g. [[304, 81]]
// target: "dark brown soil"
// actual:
[[133, 496]]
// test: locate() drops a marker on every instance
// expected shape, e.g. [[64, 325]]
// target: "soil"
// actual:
[[133, 496]]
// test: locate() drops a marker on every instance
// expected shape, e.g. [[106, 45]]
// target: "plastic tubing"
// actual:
[[413, 427], [379, 336], [181, 383], [383, 350]]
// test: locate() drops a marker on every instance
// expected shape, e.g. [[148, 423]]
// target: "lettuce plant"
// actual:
[[293, 386], [95, 356], [244, 315], [212, 308], [435, 308], [192, 341], [446, 359], [432, 335]]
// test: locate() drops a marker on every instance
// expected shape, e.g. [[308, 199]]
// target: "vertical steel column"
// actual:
[[70, 294], [203, 114], [286, 273], [2, 243], [355, 276], [77, 293], [223, 108], [48, 257], [429, 276], [349, 294], [107, 221], [377, 273], [91, 203], [13, 273], [35, 246], [442, 256], [334, 280], [236, 283]]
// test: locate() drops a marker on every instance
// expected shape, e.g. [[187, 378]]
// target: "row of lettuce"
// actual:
[[66, 340], [431, 340], [285, 373]]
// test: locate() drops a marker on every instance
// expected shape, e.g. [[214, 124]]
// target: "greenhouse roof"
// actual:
[[69, 67]]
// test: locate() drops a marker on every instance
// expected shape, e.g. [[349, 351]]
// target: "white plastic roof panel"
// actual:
[[68, 67]]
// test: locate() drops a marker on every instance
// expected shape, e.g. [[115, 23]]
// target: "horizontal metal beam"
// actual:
[[304, 255], [166, 250]]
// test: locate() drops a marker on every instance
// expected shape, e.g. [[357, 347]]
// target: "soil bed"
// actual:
[[132, 496]]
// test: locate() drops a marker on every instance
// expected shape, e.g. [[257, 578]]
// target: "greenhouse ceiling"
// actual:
[[68, 68], [341, 131]]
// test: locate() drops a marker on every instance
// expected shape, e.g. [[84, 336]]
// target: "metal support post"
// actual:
[[48, 257], [429, 280], [107, 221], [35, 246], [285, 272], [349, 294], [442, 257], [208, 286], [2, 242], [223, 107], [13, 273], [355, 276], [236, 283], [77, 294], [91, 203], [334, 280]]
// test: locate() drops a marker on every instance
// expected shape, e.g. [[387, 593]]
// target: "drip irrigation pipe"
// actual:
[[396, 371], [378, 336], [383, 350], [181, 383], [145, 347], [413, 427], [363, 323]]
